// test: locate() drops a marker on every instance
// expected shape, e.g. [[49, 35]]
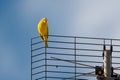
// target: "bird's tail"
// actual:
[[46, 44]]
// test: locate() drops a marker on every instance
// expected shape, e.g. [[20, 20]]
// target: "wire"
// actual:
[[82, 74], [73, 62]]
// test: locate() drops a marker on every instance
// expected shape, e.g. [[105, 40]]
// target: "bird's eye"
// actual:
[[44, 21]]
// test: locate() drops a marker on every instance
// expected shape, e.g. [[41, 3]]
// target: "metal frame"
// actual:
[[78, 64]]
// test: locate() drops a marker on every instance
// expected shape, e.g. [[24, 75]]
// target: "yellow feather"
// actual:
[[43, 30]]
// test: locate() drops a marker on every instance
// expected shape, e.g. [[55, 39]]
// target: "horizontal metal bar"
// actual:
[[61, 48], [36, 43], [35, 37], [38, 73], [116, 68], [38, 60], [53, 53], [83, 43], [98, 44], [61, 42], [115, 57], [57, 66], [38, 49], [64, 72], [81, 61], [79, 37], [116, 51], [72, 54], [91, 75], [62, 78], [72, 49], [82, 74], [80, 49], [115, 63], [77, 43], [38, 54], [78, 61], [39, 78], [76, 49], [59, 78], [38, 67]]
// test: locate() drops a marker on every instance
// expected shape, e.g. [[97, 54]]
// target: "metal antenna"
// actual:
[[74, 58]]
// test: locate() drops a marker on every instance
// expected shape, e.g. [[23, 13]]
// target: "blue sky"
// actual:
[[18, 23]]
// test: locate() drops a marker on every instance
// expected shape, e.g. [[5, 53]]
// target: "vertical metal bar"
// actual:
[[45, 63], [31, 57], [75, 56], [104, 47], [111, 47], [111, 41]]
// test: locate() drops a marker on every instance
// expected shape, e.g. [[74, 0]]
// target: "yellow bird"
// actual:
[[43, 30]]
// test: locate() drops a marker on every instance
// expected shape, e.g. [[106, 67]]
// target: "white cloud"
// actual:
[[94, 17]]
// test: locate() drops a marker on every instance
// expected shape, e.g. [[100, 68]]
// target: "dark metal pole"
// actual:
[[31, 58], [45, 63], [108, 65], [75, 55]]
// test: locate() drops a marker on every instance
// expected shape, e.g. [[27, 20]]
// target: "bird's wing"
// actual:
[[39, 26], [41, 37]]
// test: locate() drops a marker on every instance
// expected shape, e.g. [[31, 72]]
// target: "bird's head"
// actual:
[[44, 20]]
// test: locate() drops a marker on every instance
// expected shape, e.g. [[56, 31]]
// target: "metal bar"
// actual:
[[38, 60], [115, 57], [116, 68], [37, 49], [37, 54], [39, 78], [79, 61], [53, 53], [35, 37], [107, 63], [31, 58], [75, 55], [64, 72], [73, 49], [80, 49], [60, 78], [61, 42], [76, 43], [45, 63], [68, 66], [37, 43], [79, 37], [38, 67], [76, 49], [38, 73], [83, 74]]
